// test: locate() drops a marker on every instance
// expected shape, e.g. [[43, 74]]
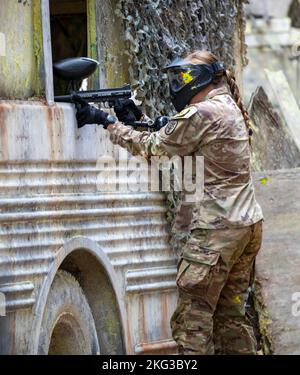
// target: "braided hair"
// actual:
[[205, 57], [237, 97]]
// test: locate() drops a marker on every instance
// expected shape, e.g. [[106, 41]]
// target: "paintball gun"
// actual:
[[75, 70]]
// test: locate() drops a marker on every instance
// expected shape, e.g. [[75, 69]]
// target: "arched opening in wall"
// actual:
[[82, 314], [68, 326], [102, 300]]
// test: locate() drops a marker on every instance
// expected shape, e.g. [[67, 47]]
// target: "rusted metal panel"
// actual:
[[51, 193], [18, 295]]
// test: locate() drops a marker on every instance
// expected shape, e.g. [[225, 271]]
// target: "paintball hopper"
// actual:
[[75, 69]]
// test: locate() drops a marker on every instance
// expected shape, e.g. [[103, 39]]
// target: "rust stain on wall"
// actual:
[[3, 132]]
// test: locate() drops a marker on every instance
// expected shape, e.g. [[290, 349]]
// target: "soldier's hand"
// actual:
[[87, 114], [127, 112]]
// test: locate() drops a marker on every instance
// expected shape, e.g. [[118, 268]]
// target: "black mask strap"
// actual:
[[217, 67]]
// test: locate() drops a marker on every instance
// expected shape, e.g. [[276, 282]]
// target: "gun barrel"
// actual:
[[100, 96], [63, 99]]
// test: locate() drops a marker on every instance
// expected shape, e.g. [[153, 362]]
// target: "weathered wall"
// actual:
[[20, 68], [111, 47], [271, 131], [53, 191], [271, 45]]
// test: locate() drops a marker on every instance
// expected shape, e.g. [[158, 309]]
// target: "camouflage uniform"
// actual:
[[213, 279], [215, 264]]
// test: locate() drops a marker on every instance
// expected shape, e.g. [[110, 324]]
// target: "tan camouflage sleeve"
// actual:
[[179, 137]]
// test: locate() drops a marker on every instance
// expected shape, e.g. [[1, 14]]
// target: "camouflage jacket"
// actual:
[[215, 129]]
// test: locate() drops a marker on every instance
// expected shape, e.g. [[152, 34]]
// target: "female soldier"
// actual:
[[226, 225]]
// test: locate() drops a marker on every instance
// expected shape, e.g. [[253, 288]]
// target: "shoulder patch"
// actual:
[[170, 127], [185, 113]]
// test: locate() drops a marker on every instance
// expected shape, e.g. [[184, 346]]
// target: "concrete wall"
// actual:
[[20, 68], [53, 192], [111, 46], [270, 8]]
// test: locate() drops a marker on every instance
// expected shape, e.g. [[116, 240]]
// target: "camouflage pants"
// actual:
[[213, 279]]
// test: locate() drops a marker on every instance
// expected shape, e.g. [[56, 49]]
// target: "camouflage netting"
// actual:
[[158, 30]]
